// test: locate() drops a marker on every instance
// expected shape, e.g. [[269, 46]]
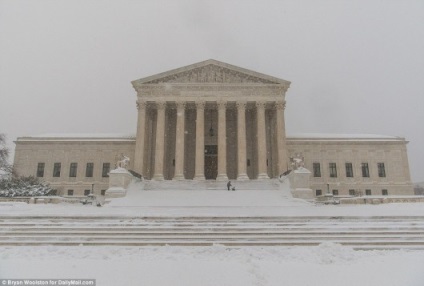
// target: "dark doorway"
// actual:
[[211, 162]]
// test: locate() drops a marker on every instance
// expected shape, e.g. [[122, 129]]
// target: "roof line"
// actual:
[[209, 62]]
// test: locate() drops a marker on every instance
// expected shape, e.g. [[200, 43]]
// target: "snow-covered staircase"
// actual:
[[358, 232], [269, 184]]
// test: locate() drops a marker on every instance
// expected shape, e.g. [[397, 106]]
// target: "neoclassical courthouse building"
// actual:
[[215, 121]]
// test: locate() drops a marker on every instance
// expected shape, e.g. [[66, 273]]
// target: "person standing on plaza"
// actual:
[[228, 185]]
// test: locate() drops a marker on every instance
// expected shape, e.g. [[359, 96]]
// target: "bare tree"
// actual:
[[419, 190], [5, 167]]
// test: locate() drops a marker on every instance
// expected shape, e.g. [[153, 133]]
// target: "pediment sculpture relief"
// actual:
[[211, 74]]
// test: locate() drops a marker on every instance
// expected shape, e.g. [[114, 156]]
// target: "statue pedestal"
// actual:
[[119, 179], [300, 185]]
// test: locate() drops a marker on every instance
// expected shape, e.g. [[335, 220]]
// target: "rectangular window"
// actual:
[[89, 170], [103, 192], [73, 170], [317, 169], [318, 193], [368, 192], [333, 170], [384, 192], [381, 170], [351, 192], [86, 192], [335, 192], [70, 192], [365, 170], [40, 170], [106, 169], [349, 170], [56, 169]]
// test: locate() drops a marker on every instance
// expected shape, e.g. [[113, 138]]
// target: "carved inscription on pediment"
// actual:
[[211, 74]]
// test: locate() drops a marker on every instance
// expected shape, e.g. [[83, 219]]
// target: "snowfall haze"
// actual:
[[355, 66]]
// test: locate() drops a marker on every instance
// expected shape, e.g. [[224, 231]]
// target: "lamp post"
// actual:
[[329, 196]]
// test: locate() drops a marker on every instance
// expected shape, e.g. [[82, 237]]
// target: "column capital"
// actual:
[[280, 105], [160, 105], [241, 104], [200, 104], [221, 104], [141, 104], [181, 104], [260, 104]]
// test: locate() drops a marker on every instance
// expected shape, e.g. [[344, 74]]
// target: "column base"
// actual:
[[263, 176], [222, 177], [158, 177], [178, 178], [242, 177], [200, 177]]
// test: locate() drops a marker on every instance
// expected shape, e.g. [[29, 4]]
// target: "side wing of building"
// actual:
[[74, 165], [354, 164]]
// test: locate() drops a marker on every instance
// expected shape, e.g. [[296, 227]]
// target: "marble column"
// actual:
[[200, 141], [261, 140], [241, 141], [281, 137], [179, 142], [160, 141], [222, 142], [139, 143]]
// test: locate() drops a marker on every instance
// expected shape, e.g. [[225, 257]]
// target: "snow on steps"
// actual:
[[256, 193], [358, 232], [270, 184]]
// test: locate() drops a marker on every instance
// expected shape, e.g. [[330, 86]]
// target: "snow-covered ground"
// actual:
[[326, 264], [186, 202]]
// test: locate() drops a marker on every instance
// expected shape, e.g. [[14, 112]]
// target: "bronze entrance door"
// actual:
[[211, 162]]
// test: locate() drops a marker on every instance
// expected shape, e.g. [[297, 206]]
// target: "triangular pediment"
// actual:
[[210, 71]]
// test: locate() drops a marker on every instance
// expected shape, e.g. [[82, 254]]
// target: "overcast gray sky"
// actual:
[[355, 66]]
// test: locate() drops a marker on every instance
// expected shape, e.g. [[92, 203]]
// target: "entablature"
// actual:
[[211, 93]]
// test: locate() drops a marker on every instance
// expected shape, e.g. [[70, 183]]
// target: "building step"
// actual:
[[358, 232], [268, 184]]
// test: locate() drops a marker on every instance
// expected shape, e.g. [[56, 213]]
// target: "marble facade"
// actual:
[[215, 121]]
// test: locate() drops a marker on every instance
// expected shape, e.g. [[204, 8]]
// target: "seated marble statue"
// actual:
[[123, 163]]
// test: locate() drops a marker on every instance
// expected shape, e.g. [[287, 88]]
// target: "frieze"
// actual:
[[242, 90]]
